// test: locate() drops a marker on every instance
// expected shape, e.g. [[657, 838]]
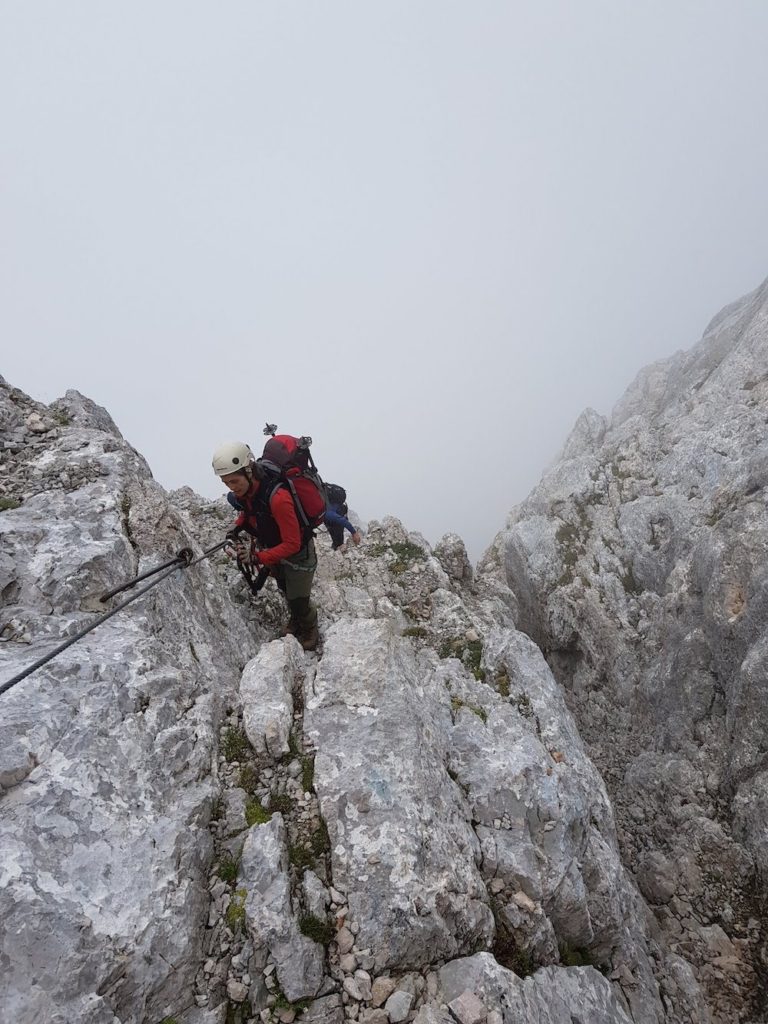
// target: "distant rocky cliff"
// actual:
[[201, 823], [640, 566]]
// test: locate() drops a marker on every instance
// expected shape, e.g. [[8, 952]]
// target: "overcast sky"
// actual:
[[427, 233]]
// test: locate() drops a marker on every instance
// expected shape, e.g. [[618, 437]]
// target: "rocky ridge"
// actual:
[[207, 824], [640, 566]]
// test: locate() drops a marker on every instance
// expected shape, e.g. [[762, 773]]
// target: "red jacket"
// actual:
[[283, 512]]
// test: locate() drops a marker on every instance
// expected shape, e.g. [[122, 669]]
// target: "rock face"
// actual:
[[202, 822], [640, 567], [106, 754]]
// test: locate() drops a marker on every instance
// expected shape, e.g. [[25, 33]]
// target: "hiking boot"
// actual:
[[308, 639], [289, 629]]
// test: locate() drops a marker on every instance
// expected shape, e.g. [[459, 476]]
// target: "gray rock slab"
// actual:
[[327, 1010], [398, 1006], [402, 848], [553, 995], [316, 896], [467, 1009], [263, 874], [266, 692]]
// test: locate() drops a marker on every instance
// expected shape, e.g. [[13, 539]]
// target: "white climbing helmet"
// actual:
[[231, 457]]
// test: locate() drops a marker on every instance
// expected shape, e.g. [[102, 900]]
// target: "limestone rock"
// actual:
[[327, 1010], [382, 989], [266, 691], [398, 1006], [553, 995], [467, 1009], [406, 864], [316, 896], [640, 566], [109, 751], [263, 875], [452, 556]]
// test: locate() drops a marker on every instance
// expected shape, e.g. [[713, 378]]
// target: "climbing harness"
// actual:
[[183, 560]]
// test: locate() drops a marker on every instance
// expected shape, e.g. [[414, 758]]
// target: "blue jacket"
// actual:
[[334, 517]]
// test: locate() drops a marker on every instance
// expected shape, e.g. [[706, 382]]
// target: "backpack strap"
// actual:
[[302, 516]]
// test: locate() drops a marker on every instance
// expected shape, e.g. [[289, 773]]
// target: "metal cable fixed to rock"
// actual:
[[183, 560]]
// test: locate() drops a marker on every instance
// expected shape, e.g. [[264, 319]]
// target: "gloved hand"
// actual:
[[239, 545]]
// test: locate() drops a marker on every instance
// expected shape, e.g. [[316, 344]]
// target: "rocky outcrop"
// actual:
[[639, 566], [403, 849], [205, 822], [107, 755]]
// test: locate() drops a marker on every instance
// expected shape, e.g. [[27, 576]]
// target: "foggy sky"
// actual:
[[429, 234]]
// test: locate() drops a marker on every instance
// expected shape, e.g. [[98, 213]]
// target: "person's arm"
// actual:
[[282, 508], [332, 516]]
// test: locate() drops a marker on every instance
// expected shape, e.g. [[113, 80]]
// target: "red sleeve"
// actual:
[[282, 508], [240, 521]]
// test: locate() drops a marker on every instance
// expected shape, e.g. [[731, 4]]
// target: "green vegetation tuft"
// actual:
[[469, 653], [235, 915], [255, 813], [62, 417], [307, 773], [249, 778], [306, 851], [457, 703], [227, 868], [502, 683], [416, 631], [571, 956], [300, 855], [321, 841], [405, 554], [282, 804], [524, 705], [6, 504], [281, 1003], [316, 929], [235, 744]]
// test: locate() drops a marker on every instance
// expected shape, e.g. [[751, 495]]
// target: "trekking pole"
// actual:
[[179, 562]]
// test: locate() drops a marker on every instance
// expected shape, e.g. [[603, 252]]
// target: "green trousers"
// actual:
[[294, 577]]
